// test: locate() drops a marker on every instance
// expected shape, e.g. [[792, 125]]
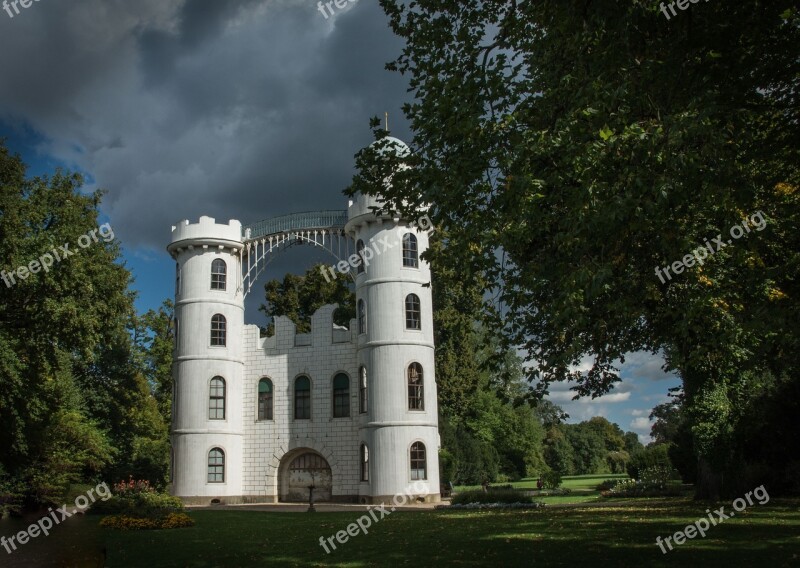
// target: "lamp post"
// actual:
[[311, 508]]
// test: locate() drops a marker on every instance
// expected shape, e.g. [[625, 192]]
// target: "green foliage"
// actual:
[[607, 484], [75, 401], [12, 494], [138, 499], [551, 480], [490, 496], [298, 297], [128, 523], [653, 482], [652, 456], [567, 153]]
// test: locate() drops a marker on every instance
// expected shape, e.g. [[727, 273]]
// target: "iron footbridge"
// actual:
[[264, 240]]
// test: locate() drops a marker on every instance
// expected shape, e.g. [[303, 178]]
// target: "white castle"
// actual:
[[351, 413]]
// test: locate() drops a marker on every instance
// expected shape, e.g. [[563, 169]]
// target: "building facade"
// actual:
[[351, 413]]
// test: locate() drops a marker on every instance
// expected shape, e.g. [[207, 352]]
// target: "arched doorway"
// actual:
[[299, 470]]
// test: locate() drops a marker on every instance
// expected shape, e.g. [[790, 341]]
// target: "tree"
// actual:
[[298, 297], [571, 154], [74, 405], [155, 337], [558, 452]]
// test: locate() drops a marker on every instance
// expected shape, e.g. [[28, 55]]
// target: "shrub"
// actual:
[[656, 476], [491, 496], [12, 494], [651, 456], [607, 484], [653, 484], [127, 523], [138, 499], [551, 480]]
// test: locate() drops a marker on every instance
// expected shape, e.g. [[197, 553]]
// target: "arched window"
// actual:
[[216, 466], [413, 320], [362, 390], [218, 331], [419, 466], [265, 399], [219, 271], [364, 463], [410, 251], [302, 398], [216, 399], [416, 393], [177, 279], [360, 252], [362, 317], [341, 396]]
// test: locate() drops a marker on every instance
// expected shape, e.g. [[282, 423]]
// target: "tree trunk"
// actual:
[[709, 482]]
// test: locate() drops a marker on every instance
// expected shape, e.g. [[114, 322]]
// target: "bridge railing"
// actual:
[[308, 220]]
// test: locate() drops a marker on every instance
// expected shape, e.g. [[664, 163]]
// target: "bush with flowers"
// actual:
[[126, 523], [135, 504]]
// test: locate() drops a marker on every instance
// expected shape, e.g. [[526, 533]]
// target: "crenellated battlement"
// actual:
[[323, 333], [207, 229]]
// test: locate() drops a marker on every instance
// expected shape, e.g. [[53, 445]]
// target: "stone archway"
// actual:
[[298, 470]]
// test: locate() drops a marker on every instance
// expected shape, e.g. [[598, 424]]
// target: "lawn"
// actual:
[[610, 533], [583, 487]]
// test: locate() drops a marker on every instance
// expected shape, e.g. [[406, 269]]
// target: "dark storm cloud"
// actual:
[[235, 109]]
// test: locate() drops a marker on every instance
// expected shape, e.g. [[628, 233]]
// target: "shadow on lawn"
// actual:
[[620, 534]]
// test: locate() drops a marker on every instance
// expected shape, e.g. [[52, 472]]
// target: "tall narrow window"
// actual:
[[360, 252], [218, 331], [364, 463], [219, 274], [216, 466], [362, 390], [265, 399], [362, 317], [302, 398], [341, 396], [216, 399], [413, 320], [416, 393], [410, 251], [177, 279], [419, 466]]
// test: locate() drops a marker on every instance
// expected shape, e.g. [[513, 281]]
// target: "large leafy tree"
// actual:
[[568, 150], [74, 403]]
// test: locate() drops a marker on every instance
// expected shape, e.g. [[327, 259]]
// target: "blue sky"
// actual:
[[237, 109]]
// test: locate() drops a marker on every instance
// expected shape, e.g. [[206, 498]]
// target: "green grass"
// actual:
[[583, 487], [613, 533]]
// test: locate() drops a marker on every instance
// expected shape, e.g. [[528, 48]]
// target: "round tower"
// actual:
[[394, 317], [207, 430]]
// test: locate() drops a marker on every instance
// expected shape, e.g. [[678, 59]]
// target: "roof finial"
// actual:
[[387, 121]]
